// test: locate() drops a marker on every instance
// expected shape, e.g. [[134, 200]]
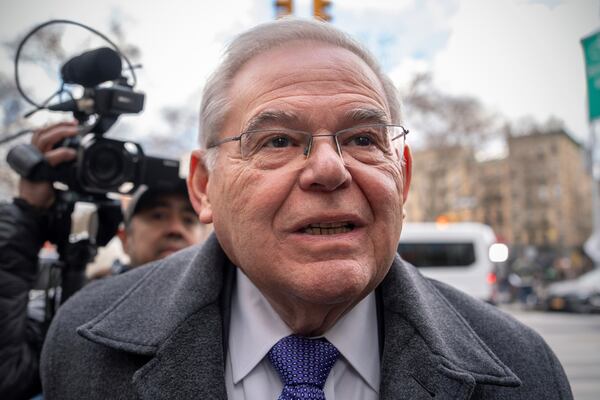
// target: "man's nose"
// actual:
[[176, 226], [324, 169]]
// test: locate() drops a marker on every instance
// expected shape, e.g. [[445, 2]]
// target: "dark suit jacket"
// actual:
[[158, 332]]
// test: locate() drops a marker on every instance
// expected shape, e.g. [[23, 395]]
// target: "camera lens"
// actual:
[[106, 166]]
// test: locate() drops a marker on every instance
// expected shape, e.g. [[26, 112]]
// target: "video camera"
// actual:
[[102, 165]]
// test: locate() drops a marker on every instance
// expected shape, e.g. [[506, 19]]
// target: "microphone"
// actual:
[[85, 104], [69, 105], [92, 67]]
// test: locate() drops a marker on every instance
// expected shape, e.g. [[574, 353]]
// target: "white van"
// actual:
[[459, 254]]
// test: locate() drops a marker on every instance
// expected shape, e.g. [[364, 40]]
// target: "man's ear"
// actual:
[[407, 171], [197, 184]]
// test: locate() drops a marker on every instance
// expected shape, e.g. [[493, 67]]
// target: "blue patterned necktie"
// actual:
[[303, 365]]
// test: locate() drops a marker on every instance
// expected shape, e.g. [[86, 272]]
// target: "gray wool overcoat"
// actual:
[[159, 332]]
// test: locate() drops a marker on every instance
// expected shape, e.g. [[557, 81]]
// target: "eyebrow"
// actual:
[[269, 117], [357, 115], [370, 115]]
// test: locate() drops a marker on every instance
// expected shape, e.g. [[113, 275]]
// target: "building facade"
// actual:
[[550, 190], [538, 195]]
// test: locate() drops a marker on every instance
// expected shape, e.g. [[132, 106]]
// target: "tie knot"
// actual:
[[302, 361]]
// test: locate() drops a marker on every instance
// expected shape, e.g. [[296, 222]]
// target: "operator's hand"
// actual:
[[41, 194]]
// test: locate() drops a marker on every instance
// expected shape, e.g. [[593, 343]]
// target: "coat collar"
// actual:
[[426, 341], [430, 344], [179, 287], [181, 329]]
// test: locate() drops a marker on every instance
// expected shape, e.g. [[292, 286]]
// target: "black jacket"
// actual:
[[22, 233], [24, 320]]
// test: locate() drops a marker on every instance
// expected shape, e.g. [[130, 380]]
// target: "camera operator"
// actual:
[[156, 225]]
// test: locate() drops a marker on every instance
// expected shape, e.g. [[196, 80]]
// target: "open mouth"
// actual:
[[332, 228]]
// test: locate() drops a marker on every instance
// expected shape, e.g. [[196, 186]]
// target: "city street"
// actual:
[[575, 339]]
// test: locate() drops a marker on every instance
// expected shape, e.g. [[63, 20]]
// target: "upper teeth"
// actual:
[[329, 225], [330, 228]]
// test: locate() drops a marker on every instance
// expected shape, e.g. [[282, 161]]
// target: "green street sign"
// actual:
[[591, 50]]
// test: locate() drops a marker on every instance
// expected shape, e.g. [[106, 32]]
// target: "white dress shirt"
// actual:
[[255, 327]]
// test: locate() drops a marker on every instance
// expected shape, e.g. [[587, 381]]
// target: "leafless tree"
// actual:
[[528, 125], [446, 120]]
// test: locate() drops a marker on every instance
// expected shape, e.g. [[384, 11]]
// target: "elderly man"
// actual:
[[299, 294]]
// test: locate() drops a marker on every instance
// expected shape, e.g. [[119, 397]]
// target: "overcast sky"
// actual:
[[519, 57]]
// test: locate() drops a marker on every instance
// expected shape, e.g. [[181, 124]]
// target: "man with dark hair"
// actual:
[[157, 224], [299, 294]]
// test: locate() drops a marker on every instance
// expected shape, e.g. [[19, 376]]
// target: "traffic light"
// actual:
[[321, 9], [283, 8]]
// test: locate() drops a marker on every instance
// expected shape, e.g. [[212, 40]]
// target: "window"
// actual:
[[438, 254]]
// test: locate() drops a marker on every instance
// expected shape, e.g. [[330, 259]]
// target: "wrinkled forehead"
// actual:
[[306, 71]]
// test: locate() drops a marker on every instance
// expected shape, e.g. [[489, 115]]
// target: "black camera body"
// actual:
[[102, 165], [114, 166], [105, 101]]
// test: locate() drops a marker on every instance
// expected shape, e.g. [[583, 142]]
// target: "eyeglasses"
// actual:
[[273, 148]]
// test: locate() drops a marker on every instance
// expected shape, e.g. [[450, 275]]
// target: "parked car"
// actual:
[[460, 254], [577, 295]]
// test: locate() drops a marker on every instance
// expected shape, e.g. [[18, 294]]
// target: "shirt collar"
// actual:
[[255, 327], [355, 336]]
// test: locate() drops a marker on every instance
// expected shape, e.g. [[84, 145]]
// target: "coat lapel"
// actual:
[[190, 364], [429, 349], [181, 330], [410, 370]]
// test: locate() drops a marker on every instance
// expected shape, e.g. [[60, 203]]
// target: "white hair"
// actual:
[[215, 99]]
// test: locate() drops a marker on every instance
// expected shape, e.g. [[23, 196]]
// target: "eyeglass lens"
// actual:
[[272, 148]]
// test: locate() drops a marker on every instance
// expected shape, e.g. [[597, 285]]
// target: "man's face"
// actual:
[[261, 216], [167, 224]]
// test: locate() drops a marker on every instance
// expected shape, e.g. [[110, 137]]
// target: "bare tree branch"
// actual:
[[446, 120]]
